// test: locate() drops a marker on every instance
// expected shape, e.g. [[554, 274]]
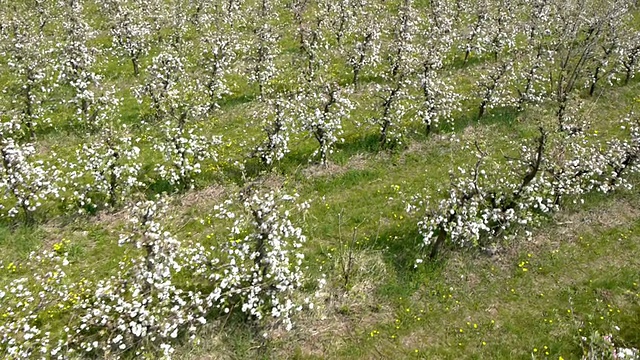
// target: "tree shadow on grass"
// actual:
[[507, 115], [504, 116], [252, 168], [367, 143], [458, 62], [239, 99], [501, 115], [629, 334], [159, 186], [400, 248]]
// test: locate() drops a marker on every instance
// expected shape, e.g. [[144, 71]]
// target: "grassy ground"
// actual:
[[579, 272], [530, 298], [578, 267]]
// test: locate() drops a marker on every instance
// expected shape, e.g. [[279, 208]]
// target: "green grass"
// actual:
[[580, 266], [579, 277], [366, 191]]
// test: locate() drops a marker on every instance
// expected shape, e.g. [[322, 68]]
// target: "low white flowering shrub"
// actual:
[[130, 30], [360, 43], [489, 201], [28, 53], [493, 87], [177, 107], [32, 303], [324, 111], [399, 60], [105, 172], [438, 100], [495, 200], [184, 151], [261, 48], [598, 346], [163, 289], [141, 306], [25, 183], [90, 101], [265, 248], [278, 119]]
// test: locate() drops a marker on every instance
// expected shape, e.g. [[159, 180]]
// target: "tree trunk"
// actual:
[[136, 66], [442, 236]]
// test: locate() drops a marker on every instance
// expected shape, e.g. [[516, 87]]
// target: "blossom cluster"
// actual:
[[191, 57], [164, 288], [496, 199], [25, 182]]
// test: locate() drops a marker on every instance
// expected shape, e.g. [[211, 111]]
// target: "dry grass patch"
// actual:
[[345, 309], [356, 162], [196, 199]]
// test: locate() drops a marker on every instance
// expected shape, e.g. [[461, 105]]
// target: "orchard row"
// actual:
[[64, 67]]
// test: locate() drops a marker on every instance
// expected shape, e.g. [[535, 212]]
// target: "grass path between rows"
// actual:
[[533, 299]]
